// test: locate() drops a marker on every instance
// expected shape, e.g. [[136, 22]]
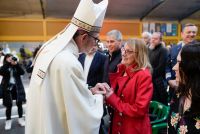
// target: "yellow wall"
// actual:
[[21, 30], [129, 29], [42, 30]]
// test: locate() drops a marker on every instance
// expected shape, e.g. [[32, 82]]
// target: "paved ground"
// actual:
[[16, 128]]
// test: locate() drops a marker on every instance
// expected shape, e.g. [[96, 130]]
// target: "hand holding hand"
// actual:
[[100, 88]]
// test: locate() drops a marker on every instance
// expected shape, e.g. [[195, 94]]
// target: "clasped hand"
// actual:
[[102, 88]]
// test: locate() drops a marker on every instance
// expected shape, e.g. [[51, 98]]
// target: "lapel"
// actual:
[[179, 47], [94, 64], [81, 58]]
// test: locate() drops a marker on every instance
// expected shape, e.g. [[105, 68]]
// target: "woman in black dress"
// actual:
[[185, 106]]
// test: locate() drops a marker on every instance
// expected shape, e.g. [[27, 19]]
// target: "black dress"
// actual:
[[180, 122]]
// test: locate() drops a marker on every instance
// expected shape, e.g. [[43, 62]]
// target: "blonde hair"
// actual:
[[141, 57]]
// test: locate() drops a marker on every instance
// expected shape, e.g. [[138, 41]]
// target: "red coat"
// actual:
[[131, 102]]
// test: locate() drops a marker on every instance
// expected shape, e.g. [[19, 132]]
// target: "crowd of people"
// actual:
[[76, 88]]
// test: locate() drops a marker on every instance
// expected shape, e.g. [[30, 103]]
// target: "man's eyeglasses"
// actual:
[[95, 38], [127, 51], [81, 33]]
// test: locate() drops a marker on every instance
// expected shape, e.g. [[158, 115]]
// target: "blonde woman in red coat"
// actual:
[[131, 91]]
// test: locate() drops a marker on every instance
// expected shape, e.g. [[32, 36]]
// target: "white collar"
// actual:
[[183, 44], [72, 46]]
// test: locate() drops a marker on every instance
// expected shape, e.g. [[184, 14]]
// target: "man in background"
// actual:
[[158, 59], [146, 36], [188, 35], [95, 67], [114, 44]]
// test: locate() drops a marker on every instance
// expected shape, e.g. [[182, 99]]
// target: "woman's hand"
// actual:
[[109, 92]]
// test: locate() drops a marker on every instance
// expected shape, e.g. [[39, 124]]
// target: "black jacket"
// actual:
[[158, 60], [115, 59], [19, 93]]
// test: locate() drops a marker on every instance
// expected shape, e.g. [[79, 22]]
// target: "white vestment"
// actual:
[[63, 104]]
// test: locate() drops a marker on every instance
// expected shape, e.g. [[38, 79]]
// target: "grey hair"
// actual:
[[146, 34], [116, 34], [160, 34]]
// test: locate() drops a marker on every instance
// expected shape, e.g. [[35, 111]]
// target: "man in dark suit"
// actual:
[[95, 66], [188, 35]]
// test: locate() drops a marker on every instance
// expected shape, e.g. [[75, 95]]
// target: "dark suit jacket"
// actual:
[[98, 71], [171, 61], [115, 59]]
